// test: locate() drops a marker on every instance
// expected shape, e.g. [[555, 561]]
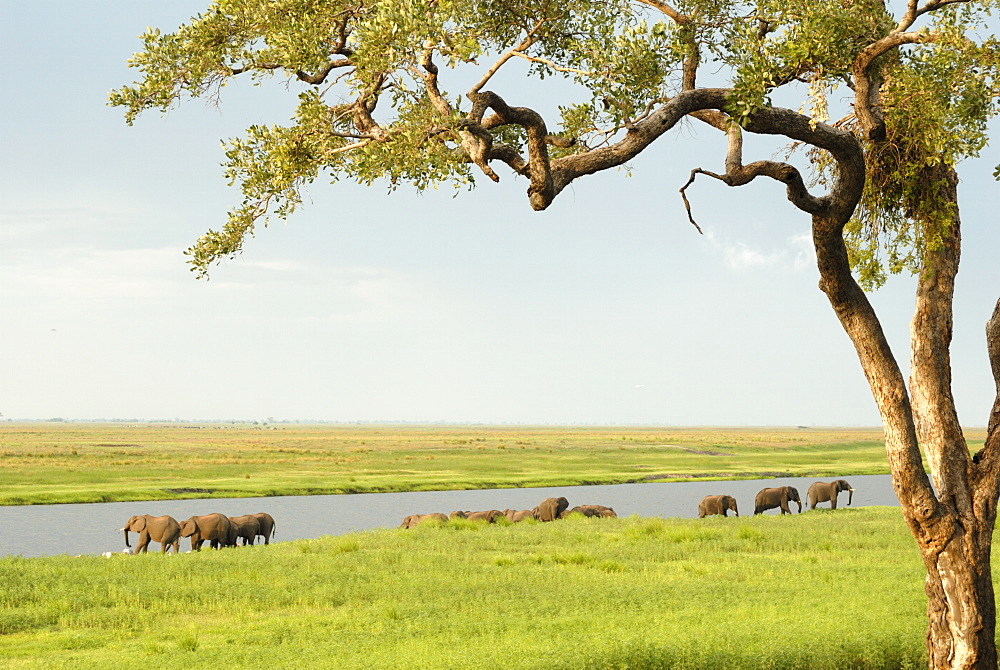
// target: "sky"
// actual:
[[608, 308]]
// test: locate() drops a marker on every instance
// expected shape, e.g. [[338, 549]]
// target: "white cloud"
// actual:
[[89, 275], [796, 253], [47, 225]]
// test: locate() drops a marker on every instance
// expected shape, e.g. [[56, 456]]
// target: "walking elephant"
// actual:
[[777, 497], [162, 529], [247, 527], [266, 523], [489, 516], [822, 492], [590, 510], [550, 509], [414, 520], [518, 515], [216, 529], [710, 505]]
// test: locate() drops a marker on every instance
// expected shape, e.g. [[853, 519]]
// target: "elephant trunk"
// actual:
[[850, 494], [800, 506], [126, 537]]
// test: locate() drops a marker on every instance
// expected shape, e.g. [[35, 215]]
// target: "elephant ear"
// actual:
[[139, 524], [187, 528]]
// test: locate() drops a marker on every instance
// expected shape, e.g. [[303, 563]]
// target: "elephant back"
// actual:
[[551, 509], [266, 523]]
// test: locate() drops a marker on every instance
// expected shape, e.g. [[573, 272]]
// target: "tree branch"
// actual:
[[934, 409], [515, 51], [539, 168], [546, 61], [866, 86], [430, 77], [767, 120], [993, 348], [320, 77], [738, 174], [666, 9]]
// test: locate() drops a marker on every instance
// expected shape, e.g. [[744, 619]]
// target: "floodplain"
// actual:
[[825, 589], [108, 462]]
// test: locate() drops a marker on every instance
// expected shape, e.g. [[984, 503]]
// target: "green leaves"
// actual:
[[371, 78]]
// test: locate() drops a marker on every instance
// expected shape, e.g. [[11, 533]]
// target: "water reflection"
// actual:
[[41, 530]]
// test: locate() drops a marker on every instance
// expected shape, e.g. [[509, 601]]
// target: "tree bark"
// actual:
[[960, 607], [952, 520], [953, 528]]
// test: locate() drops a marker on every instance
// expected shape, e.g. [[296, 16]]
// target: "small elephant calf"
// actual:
[[415, 520], [515, 515], [247, 527], [710, 505], [590, 510]]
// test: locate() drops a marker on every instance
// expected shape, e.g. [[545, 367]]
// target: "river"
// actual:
[[43, 530]]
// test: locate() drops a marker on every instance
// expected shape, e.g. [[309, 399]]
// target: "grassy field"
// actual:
[[826, 589], [104, 462]]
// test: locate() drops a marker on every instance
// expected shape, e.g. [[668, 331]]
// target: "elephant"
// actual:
[[514, 515], [247, 527], [717, 505], [550, 509], [489, 516], [415, 520], [776, 497], [822, 492], [162, 529], [216, 529], [590, 510], [266, 523], [457, 515]]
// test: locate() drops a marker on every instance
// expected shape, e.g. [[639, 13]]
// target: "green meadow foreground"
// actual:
[[825, 589], [104, 462]]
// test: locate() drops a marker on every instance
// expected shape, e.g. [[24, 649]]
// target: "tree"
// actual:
[[923, 85]]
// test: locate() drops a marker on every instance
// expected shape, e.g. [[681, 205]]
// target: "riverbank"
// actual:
[[831, 589], [44, 463]]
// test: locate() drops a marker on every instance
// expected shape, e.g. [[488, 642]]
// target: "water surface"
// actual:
[[41, 530]]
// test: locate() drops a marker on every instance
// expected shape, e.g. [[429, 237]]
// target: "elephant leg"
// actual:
[[833, 502]]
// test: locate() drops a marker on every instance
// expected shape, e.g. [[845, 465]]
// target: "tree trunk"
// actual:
[[954, 527], [960, 606]]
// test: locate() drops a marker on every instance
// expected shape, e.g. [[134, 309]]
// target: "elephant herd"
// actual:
[[218, 530], [549, 509], [819, 492]]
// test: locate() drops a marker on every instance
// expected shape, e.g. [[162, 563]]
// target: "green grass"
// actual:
[[69, 462], [822, 590]]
